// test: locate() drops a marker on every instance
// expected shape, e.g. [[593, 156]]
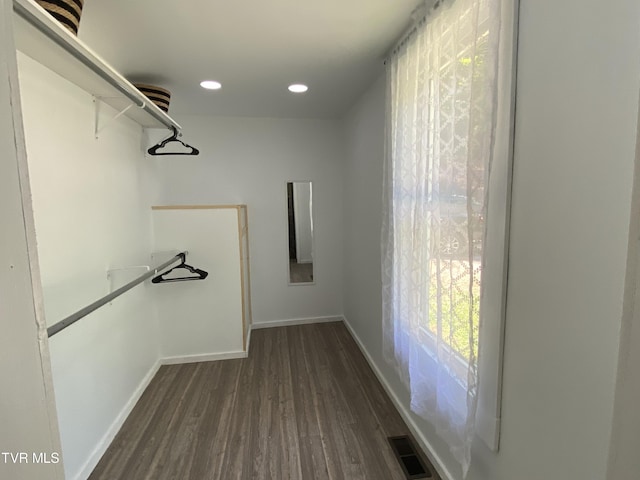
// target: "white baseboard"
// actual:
[[425, 444], [108, 437], [115, 426], [202, 357], [297, 321]]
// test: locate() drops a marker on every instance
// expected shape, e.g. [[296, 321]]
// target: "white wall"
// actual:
[[27, 415], [91, 202], [364, 139], [200, 320], [624, 461], [248, 161], [575, 140]]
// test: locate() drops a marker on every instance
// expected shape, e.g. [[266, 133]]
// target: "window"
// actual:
[[446, 199]]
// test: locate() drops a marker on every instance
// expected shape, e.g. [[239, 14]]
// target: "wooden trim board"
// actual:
[[242, 292], [246, 226]]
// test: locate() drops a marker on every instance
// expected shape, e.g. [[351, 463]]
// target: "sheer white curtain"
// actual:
[[441, 124]]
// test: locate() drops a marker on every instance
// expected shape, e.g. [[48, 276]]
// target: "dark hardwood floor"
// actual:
[[305, 405]]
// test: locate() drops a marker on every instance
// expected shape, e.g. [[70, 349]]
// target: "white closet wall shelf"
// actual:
[[41, 37]]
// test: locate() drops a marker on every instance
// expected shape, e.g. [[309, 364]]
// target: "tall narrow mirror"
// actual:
[[300, 218]]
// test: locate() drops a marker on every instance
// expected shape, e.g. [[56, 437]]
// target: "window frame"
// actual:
[[496, 254]]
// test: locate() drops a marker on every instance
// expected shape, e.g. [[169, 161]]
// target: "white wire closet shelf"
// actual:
[[42, 38]]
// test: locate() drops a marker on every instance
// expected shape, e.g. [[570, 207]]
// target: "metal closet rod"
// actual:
[[71, 319], [26, 11]]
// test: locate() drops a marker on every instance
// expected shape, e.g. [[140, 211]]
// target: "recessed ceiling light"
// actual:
[[298, 88], [211, 85]]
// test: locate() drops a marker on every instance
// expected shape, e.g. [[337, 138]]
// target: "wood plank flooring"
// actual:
[[305, 405]]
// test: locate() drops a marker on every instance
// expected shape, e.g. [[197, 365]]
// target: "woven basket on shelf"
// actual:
[[158, 95], [67, 12]]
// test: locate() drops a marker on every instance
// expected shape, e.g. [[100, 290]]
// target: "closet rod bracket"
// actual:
[[97, 101], [110, 275]]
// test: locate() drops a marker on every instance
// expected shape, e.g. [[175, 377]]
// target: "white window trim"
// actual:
[[496, 246]]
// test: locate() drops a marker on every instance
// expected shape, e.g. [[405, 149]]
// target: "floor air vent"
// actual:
[[411, 463]]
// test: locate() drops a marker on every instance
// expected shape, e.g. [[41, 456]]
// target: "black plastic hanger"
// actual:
[[198, 274], [173, 138]]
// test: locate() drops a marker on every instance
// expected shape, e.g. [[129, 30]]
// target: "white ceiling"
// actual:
[[254, 48]]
